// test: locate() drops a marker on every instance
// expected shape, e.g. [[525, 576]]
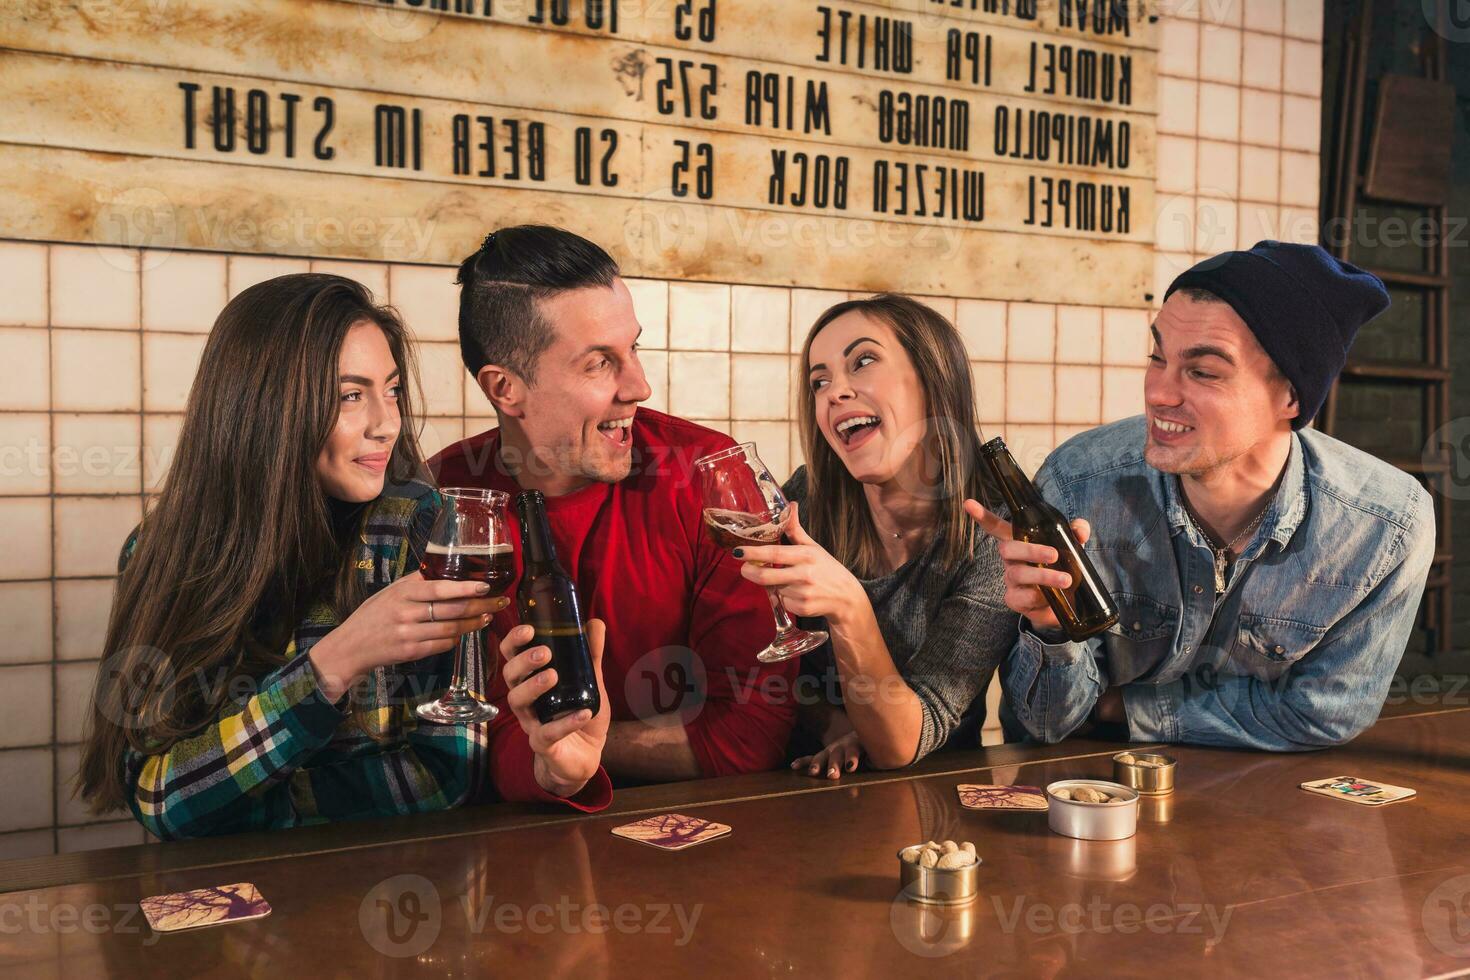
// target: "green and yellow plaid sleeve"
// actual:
[[230, 776], [286, 757]]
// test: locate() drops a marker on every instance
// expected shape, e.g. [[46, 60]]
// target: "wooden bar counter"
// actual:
[[1239, 872]]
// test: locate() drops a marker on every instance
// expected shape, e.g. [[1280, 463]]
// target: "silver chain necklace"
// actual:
[[1222, 555]]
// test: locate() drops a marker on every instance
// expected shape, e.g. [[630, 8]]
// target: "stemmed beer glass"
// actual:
[[744, 505], [468, 543]]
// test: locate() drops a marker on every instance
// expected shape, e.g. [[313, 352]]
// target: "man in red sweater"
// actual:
[[547, 329]]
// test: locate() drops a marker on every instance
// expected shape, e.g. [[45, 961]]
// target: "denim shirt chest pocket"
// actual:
[[1143, 636], [1268, 643], [1266, 648]]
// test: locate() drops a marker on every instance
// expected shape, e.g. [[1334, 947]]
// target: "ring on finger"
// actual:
[[431, 613]]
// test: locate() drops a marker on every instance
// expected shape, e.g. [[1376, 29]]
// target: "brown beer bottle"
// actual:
[[1084, 609], [548, 602]]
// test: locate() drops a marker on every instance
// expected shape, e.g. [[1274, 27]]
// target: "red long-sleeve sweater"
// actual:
[[644, 564]]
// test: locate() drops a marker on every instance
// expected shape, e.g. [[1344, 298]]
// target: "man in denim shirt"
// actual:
[[1266, 575]]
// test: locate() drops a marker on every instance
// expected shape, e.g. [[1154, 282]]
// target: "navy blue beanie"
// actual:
[[1304, 306]]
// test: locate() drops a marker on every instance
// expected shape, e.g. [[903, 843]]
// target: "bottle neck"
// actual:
[[537, 550], [1019, 492]]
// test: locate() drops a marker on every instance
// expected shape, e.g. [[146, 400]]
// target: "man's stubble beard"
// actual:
[[604, 470], [1196, 463]]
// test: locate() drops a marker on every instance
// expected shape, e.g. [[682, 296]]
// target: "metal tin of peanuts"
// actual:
[[938, 886], [1148, 780], [1093, 821]]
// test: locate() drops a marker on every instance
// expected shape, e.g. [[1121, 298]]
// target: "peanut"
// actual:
[[953, 860], [946, 856]]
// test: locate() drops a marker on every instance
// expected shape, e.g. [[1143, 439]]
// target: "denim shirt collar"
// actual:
[[1283, 516]]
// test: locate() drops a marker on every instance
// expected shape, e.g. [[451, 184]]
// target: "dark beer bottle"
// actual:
[[548, 602], [1084, 609]]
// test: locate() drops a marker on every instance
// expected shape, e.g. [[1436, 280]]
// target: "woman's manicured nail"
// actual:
[[483, 588], [738, 552]]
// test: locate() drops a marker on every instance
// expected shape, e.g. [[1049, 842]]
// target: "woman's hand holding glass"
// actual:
[[411, 619], [811, 582]]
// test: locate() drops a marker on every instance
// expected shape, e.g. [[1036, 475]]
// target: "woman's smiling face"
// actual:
[[868, 401], [353, 464]]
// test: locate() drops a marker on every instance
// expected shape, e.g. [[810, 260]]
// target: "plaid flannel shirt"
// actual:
[[284, 756]]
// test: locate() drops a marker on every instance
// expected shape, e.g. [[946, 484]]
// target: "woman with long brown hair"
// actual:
[[910, 589], [270, 632]]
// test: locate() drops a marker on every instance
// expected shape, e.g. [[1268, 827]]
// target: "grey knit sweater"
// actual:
[[947, 631]]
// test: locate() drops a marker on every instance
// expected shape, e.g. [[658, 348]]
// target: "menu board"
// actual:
[[987, 148]]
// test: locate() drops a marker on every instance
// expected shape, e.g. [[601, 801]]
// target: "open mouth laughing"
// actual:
[[856, 428], [619, 432]]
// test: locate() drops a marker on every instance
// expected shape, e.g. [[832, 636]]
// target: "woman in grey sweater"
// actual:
[[881, 548]]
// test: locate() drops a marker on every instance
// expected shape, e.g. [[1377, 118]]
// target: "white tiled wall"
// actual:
[[103, 344]]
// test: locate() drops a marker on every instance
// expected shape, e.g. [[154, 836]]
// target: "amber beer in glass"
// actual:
[[548, 602], [467, 543], [1084, 608], [493, 564]]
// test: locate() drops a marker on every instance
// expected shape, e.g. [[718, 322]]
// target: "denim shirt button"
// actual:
[[1137, 627], [1198, 589], [1280, 648], [1189, 649]]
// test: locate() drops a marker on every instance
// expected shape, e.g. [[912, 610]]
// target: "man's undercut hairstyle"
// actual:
[[500, 316]]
